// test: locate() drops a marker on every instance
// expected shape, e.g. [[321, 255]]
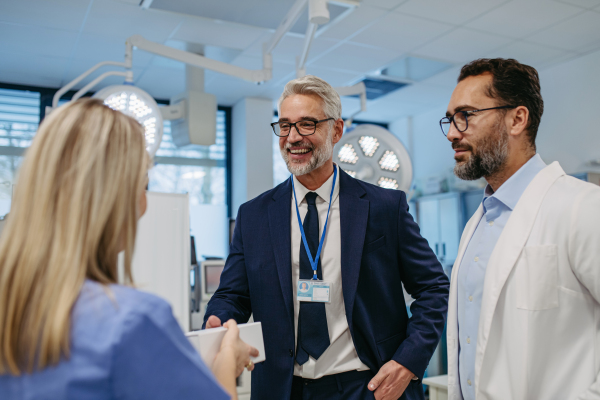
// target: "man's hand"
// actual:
[[213, 322], [391, 381]]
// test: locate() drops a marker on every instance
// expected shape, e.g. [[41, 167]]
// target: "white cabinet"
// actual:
[[440, 220]]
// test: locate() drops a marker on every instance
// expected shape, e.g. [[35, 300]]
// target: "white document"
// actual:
[[208, 341]]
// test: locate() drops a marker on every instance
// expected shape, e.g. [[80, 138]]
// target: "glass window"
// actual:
[[19, 120], [197, 170]]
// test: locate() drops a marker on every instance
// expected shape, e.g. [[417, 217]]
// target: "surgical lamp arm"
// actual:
[[358, 89], [288, 22], [68, 86], [196, 60]]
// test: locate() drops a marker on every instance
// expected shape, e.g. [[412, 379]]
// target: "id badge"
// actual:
[[315, 291]]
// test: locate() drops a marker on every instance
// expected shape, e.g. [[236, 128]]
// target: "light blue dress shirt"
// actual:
[[497, 208], [125, 344]]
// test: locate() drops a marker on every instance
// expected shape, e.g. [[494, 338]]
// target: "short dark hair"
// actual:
[[514, 84]]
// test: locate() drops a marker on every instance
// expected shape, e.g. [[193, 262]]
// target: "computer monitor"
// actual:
[[210, 276]]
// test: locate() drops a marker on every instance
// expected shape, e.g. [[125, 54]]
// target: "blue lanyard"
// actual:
[[314, 262]]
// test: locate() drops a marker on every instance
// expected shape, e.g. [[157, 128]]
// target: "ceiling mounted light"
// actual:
[[133, 101], [389, 161], [369, 145], [387, 183], [347, 154], [382, 160]]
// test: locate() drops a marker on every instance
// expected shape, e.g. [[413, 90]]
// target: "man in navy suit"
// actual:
[[350, 336]]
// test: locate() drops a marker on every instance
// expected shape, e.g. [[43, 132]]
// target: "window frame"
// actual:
[[47, 94]]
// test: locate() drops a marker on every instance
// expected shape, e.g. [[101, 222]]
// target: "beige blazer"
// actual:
[[539, 328]]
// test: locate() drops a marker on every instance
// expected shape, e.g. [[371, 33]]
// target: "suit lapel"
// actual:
[[279, 224], [507, 251], [354, 213]]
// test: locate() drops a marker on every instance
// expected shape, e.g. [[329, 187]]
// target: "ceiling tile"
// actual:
[[531, 54], [217, 33], [385, 4], [95, 48], [30, 69], [280, 70], [21, 39], [121, 20], [455, 12], [401, 33], [262, 13], [333, 77], [291, 47], [57, 14], [518, 19], [575, 34], [462, 45], [358, 19], [582, 3], [355, 58]]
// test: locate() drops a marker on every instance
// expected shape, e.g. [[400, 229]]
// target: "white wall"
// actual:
[[430, 151], [251, 150], [569, 131]]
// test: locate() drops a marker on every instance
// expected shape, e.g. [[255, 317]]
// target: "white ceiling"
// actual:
[[50, 42]]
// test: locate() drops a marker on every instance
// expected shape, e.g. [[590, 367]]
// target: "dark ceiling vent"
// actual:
[[377, 88]]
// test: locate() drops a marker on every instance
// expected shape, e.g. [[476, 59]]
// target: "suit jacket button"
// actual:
[[291, 353]]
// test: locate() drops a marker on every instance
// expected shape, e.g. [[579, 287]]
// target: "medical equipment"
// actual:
[[373, 154]]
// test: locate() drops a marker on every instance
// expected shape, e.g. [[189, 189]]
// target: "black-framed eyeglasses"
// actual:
[[304, 127], [461, 122]]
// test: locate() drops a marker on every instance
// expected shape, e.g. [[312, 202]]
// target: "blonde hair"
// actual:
[[75, 208], [310, 84]]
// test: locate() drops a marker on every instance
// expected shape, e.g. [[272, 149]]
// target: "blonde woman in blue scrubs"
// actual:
[[67, 329]]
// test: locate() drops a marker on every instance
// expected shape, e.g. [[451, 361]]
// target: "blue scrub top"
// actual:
[[125, 344]]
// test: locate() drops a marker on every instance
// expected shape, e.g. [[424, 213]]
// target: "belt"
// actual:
[[336, 379]]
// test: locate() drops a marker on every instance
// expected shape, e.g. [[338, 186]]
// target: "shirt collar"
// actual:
[[324, 191], [511, 191]]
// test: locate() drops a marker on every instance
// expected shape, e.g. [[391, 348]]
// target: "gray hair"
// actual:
[[310, 84]]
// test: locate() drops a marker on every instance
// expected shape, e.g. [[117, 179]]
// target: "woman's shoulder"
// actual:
[[107, 308]]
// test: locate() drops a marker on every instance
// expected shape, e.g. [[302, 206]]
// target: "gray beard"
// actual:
[[491, 155], [320, 155]]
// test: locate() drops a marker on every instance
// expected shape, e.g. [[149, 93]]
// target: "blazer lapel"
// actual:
[[507, 251], [279, 224], [354, 213]]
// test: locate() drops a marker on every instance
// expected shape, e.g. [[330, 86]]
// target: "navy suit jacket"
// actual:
[[381, 249]]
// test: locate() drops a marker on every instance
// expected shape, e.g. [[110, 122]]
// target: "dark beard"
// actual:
[[492, 152]]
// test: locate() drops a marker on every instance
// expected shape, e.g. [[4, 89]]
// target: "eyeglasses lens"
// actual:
[[445, 124], [303, 127], [460, 119]]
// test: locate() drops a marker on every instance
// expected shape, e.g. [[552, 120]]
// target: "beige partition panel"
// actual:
[[161, 262]]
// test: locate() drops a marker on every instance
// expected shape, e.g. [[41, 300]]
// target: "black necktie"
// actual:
[[313, 336]]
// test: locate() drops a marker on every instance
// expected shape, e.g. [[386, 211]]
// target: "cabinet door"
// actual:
[[429, 222], [450, 217]]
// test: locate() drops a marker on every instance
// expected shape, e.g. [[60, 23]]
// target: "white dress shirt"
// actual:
[[341, 354]]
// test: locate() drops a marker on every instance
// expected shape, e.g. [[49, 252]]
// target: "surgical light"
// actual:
[[369, 145], [387, 183], [382, 159], [347, 154], [389, 161], [133, 101]]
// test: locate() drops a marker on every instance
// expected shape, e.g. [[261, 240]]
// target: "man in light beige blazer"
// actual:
[[524, 307]]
